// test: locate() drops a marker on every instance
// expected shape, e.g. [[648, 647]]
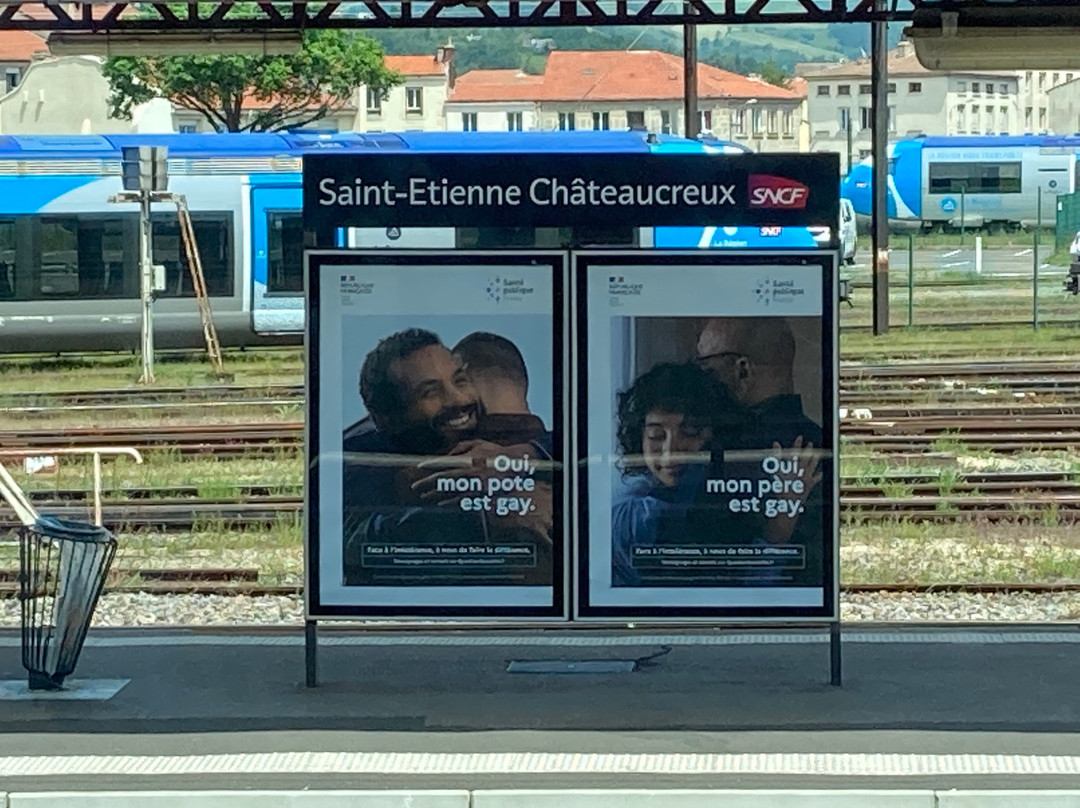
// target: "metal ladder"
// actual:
[[187, 232]]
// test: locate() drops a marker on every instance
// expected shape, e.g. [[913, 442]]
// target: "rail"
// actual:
[[15, 497]]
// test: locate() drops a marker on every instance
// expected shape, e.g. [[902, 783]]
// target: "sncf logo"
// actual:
[[767, 191]]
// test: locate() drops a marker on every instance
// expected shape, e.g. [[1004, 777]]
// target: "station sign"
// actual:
[[425, 189]]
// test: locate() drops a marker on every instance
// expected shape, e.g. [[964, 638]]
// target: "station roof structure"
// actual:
[[105, 16]]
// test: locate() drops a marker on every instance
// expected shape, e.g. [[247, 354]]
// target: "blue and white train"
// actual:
[[69, 275], [993, 182]]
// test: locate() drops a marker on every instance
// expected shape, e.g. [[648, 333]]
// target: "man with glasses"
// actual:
[[754, 357]]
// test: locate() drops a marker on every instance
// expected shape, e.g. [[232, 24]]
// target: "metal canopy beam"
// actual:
[[259, 15]]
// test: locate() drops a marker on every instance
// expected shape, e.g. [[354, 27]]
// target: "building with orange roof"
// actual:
[[17, 50], [629, 89]]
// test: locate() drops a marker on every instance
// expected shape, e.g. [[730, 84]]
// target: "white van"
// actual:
[[848, 234]]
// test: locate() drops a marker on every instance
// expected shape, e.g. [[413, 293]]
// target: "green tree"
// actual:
[[771, 72], [275, 92]]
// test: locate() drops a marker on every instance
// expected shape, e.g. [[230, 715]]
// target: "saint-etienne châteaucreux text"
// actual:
[[541, 191]]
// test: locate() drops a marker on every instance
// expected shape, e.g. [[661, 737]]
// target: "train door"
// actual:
[[277, 259]]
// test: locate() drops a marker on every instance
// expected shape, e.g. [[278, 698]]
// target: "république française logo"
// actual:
[[770, 191]]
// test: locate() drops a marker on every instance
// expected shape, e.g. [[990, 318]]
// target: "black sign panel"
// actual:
[[585, 189]]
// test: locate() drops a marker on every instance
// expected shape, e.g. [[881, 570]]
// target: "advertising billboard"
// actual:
[[436, 434], [706, 434]]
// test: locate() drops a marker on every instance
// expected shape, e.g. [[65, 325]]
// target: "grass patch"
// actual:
[[1024, 551]]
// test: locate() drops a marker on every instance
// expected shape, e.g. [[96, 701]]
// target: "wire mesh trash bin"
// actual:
[[62, 570]]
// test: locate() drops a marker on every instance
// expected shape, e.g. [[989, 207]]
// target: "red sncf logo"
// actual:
[[767, 191]]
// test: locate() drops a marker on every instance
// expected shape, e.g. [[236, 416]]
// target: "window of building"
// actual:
[[1003, 119], [1003, 89], [705, 122], [635, 118], [961, 119], [866, 117], [187, 128], [1057, 80], [414, 99], [844, 118], [468, 121], [738, 121], [755, 120], [12, 76], [1042, 118], [891, 87], [975, 178], [914, 87], [601, 120], [566, 121], [772, 122], [843, 89], [514, 121], [1027, 119], [892, 119], [976, 88], [665, 122], [285, 251], [374, 101], [961, 86], [789, 122], [1042, 81], [823, 89], [864, 89]]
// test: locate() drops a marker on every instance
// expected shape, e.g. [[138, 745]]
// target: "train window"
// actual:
[[285, 252], [7, 260], [975, 178], [78, 257], [213, 235]]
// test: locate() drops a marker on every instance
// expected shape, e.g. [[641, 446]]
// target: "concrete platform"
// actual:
[[918, 710]]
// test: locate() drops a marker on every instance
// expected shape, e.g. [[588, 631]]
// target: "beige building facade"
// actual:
[[1063, 108], [69, 95], [920, 102], [1036, 100]]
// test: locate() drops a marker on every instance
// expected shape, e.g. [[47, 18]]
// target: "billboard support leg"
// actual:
[[311, 653], [834, 654]]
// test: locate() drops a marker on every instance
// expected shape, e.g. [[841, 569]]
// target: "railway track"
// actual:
[[1059, 430], [859, 381]]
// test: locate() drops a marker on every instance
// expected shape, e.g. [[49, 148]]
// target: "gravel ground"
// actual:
[[183, 610]]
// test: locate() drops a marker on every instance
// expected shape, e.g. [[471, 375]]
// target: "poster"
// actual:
[[706, 435], [437, 484]]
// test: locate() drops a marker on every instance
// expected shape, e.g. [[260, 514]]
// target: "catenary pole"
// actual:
[[146, 289], [879, 94], [690, 99]]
